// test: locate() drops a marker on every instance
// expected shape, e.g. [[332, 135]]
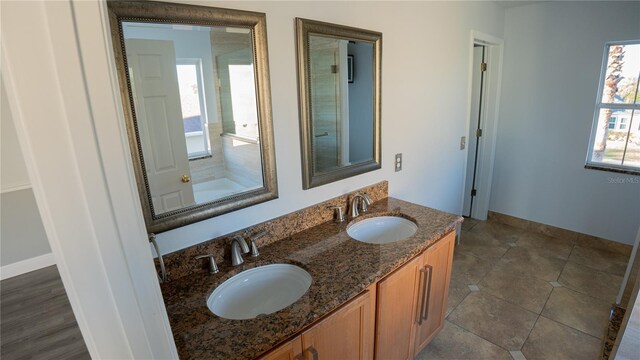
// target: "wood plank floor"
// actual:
[[36, 320]]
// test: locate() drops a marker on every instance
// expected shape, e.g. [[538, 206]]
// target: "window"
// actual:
[[192, 103], [615, 135]]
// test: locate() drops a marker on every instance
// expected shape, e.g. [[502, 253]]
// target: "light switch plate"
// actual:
[[398, 163]]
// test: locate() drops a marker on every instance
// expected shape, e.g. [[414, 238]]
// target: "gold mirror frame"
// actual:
[[161, 12], [304, 28]]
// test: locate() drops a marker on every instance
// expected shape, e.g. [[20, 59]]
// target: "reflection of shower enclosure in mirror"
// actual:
[[205, 77], [341, 109], [326, 92]]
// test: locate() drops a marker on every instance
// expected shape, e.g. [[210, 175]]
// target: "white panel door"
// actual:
[[152, 64]]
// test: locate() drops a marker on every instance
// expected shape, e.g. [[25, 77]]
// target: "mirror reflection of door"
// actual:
[[189, 83], [152, 64]]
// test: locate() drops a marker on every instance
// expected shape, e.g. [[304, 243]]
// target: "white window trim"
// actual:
[[596, 113], [203, 106]]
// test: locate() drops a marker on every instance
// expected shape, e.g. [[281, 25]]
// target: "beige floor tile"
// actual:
[[591, 282], [546, 246], [454, 342], [457, 293], [579, 311], [528, 292], [469, 223], [519, 260], [602, 260], [552, 340], [482, 245], [501, 232], [468, 269], [493, 319]]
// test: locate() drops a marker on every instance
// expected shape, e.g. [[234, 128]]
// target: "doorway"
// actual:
[[485, 66], [475, 129]]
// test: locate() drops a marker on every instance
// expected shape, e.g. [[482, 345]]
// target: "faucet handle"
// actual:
[[213, 267], [254, 238], [338, 213]]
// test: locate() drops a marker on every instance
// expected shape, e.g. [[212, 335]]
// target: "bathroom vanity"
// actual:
[[365, 301]]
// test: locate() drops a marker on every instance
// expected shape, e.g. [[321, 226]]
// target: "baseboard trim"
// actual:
[[25, 266], [556, 232]]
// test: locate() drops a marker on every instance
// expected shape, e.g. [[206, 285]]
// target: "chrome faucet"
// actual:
[[238, 247], [361, 199]]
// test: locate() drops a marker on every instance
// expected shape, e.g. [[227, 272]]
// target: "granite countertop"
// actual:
[[341, 268]]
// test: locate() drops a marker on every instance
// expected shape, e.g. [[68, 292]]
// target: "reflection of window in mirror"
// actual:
[[194, 114]]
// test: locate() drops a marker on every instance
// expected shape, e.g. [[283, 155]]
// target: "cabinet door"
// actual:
[[396, 312], [437, 269], [345, 334], [291, 350]]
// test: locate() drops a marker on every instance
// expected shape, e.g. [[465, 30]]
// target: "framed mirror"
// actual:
[[194, 82], [339, 99]]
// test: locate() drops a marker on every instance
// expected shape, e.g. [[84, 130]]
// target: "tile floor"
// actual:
[[517, 294]]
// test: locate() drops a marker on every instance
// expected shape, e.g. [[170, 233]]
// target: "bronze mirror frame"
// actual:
[[305, 28], [161, 12]]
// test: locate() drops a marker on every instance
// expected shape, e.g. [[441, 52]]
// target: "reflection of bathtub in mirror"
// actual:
[[232, 168], [215, 189]]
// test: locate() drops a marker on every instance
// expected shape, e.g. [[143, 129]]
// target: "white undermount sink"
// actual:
[[261, 290], [382, 229]]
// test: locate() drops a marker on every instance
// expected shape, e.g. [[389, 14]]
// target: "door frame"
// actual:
[[493, 80], [92, 214]]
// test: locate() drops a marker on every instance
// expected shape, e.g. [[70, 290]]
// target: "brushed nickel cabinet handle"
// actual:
[[323, 134], [421, 291], [426, 311], [313, 351]]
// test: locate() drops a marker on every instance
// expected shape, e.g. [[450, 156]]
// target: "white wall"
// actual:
[[553, 55], [425, 60], [22, 235]]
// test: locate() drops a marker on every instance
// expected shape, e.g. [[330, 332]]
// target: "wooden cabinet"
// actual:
[[395, 312], [347, 333], [412, 302], [436, 273], [291, 350], [400, 314]]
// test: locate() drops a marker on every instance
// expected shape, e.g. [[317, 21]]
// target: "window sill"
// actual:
[[613, 169]]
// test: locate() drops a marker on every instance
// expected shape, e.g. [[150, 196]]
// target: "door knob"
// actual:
[[185, 178]]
